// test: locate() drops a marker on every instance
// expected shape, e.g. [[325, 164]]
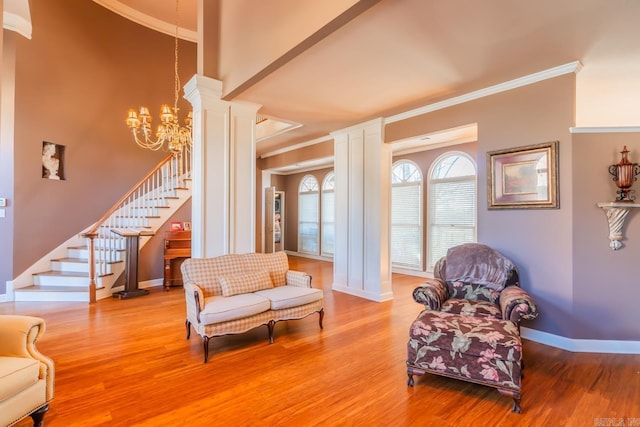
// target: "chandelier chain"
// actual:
[[176, 79], [170, 136]]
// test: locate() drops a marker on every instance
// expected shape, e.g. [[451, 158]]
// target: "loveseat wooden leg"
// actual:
[[38, 416], [270, 326], [205, 344], [321, 313], [188, 325]]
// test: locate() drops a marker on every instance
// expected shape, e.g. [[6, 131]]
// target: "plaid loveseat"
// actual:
[[234, 293]]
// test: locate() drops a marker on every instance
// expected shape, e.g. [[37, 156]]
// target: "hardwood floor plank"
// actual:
[[128, 363]]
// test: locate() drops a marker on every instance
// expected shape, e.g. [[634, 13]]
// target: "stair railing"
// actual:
[[132, 211]]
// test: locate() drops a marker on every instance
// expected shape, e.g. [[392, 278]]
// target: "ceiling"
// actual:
[[404, 54]]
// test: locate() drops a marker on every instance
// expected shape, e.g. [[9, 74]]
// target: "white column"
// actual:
[[266, 183], [362, 263], [223, 170], [242, 179]]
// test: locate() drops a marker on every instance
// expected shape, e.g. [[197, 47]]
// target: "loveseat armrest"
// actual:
[[432, 293], [195, 301], [516, 304], [298, 278], [18, 336]]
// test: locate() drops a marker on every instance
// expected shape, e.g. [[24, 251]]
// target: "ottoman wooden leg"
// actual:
[[516, 399]]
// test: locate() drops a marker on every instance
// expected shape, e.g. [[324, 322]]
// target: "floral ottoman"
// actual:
[[481, 350]]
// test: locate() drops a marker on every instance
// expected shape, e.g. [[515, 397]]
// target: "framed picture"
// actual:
[[176, 226], [186, 226], [524, 177]]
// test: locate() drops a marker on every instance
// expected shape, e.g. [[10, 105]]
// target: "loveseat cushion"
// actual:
[[16, 375], [244, 283], [221, 309], [282, 297]]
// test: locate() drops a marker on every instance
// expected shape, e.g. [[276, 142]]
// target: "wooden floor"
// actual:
[[127, 362]]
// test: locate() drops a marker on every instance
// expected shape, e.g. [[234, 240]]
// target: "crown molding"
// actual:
[[605, 129], [16, 17], [572, 67], [148, 21]]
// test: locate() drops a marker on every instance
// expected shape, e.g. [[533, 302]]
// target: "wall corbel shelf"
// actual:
[[616, 214]]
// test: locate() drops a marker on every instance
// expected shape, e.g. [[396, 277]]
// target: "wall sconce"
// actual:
[[624, 174]]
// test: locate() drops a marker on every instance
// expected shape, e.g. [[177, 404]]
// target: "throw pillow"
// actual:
[[244, 283]]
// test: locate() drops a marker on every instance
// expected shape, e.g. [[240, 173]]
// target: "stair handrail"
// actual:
[[179, 168], [94, 230]]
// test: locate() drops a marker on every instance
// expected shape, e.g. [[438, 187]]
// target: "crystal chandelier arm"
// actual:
[[147, 142]]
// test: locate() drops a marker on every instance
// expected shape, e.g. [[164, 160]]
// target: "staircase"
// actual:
[[90, 265]]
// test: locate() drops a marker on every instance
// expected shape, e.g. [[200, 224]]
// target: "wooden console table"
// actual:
[[177, 248], [132, 237]]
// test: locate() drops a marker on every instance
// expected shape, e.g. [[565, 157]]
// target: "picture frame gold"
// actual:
[[524, 177]]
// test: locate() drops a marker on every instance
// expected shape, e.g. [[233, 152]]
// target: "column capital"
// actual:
[[378, 123], [202, 89]]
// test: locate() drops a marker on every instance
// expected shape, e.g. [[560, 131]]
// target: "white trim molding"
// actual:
[[16, 16], [148, 21], [572, 67], [581, 345], [605, 129]]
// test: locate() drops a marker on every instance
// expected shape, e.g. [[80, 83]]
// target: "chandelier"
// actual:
[[169, 131]]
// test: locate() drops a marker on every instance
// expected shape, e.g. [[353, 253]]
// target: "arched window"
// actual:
[[308, 215], [406, 215], [452, 204], [328, 214]]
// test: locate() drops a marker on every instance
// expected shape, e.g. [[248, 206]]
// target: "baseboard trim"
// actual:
[[581, 345], [151, 283], [310, 256], [363, 294]]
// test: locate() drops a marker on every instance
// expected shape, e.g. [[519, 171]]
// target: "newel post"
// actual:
[[92, 266]]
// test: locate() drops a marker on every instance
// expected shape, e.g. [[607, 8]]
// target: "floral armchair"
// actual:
[[476, 280], [469, 329]]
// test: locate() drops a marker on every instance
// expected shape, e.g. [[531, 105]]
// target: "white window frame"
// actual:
[[420, 183], [432, 203], [306, 189], [328, 187]]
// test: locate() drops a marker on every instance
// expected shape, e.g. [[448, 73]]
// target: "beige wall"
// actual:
[[244, 52], [606, 287], [75, 81]]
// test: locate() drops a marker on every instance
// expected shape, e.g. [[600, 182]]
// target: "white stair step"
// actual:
[[52, 293], [77, 265], [61, 278]]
